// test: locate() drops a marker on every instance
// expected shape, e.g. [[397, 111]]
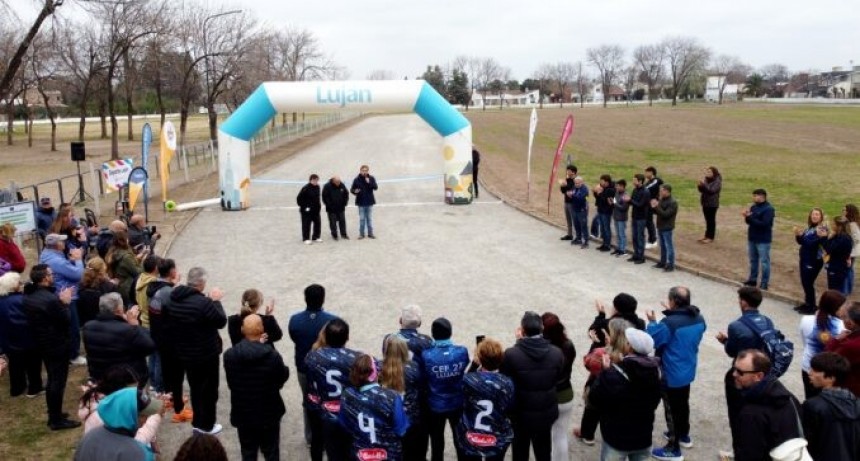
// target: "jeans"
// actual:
[[676, 404], [603, 222], [309, 219], [621, 235], [561, 432], [155, 377], [667, 248], [25, 372], [568, 217], [710, 221], [849, 279], [57, 367], [264, 438], [365, 219], [437, 433], [203, 379], [639, 238], [580, 225], [526, 436], [808, 274], [74, 330], [836, 277], [335, 221], [650, 227], [759, 253], [608, 453]]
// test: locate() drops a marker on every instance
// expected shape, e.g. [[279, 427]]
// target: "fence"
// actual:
[[194, 161]]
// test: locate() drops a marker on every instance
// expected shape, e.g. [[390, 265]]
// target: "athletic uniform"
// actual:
[[443, 366], [484, 431], [328, 376], [375, 418]]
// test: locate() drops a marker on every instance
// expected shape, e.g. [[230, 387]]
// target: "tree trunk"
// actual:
[[29, 125], [183, 123], [650, 95], [10, 116], [213, 124], [605, 94], [103, 117], [15, 63], [129, 93]]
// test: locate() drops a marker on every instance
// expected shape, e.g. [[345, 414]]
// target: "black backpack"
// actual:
[[779, 349]]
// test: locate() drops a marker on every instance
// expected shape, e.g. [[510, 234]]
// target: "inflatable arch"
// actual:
[[271, 98]]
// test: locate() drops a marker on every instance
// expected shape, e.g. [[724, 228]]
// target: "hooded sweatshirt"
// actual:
[[768, 417], [831, 424], [140, 290], [193, 321], [535, 366], [115, 440]]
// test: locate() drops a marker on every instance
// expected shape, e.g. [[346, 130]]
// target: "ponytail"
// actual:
[[251, 301]]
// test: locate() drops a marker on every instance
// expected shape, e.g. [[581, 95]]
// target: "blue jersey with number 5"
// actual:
[[484, 430], [328, 376], [377, 421]]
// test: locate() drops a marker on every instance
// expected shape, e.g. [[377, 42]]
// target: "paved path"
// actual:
[[480, 265]]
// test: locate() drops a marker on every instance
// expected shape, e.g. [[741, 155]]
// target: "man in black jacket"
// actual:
[[567, 191], [770, 413], [116, 338], [652, 185], [335, 196], [604, 194], [255, 375], [535, 366], [309, 208], [640, 203], [48, 317], [831, 420], [192, 322]]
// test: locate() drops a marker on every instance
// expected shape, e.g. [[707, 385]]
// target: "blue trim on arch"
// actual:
[[438, 113], [251, 116]]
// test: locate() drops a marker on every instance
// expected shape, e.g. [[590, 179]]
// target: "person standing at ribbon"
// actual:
[[363, 186], [309, 207]]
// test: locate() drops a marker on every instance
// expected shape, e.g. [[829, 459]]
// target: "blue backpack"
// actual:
[[779, 349]]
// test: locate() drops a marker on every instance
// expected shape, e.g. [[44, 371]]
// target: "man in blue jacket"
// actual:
[[363, 186], [676, 340], [579, 204], [443, 366], [759, 218], [67, 273]]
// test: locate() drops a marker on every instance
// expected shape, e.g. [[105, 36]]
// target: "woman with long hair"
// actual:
[[811, 254], [838, 248], [817, 330], [553, 331], [710, 185], [484, 431], [9, 251], [372, 414], [123, 265], [66, 224], [403, 376], [94, 284], [853, 216], [252, 300]]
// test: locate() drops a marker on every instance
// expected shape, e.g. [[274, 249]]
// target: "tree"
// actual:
[[755, 85], [581, 81], [774, 75], [561, 74], [488, 70], [80, 51], [470, 67], [543, 75], [381, 74], [728, 70], [435, 78], [44, 66], [458, 88], [684, 57], [651, 62], [609, 61]]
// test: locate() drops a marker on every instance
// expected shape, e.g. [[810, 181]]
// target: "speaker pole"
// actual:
[[81, 183]]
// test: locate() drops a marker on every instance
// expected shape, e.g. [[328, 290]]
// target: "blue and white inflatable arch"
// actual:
[[271, 98]]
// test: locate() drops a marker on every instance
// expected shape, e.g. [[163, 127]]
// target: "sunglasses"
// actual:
[[743, 372]]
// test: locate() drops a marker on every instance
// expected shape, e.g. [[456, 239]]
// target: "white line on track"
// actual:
[[378, 205]]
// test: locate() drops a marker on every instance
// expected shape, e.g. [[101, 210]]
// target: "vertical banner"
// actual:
[[146, 140], [565, 134], [168, 147], [532, 127], [115, 174], [136, 182]]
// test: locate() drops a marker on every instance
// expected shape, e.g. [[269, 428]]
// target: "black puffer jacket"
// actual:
[[255, 375], [270, 327], [831, 424], [308, 199], [192, 322], [335, 197], [535, 366], [626, 396], [767, 418], [49, 320], [109, 341], [156, 319]]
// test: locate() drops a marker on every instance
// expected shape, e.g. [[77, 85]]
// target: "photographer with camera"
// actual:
[[140, 235]]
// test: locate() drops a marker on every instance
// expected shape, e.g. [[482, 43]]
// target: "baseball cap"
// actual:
[[45, 201], [53, 239]]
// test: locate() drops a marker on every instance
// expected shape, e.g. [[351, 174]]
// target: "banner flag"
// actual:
[[168, 147], [565, 134], [146, 141], [115, 174], [136, 182], [532, 127]]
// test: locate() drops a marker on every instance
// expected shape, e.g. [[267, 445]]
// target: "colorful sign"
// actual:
[[22, 215], [168, 147], [115, 174]]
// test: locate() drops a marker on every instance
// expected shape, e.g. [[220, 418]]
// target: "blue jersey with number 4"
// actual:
[[484, 430], [377, 421], [328, 376]]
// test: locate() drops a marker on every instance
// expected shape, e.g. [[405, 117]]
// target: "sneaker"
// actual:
[[577, 432], [345, 237], [659, 266], [63, 424], [80, 361], [584, 245], [651, 246], [576, 242], [371, 236], [184, 416], [639, 261], [360, 237], [686, 442], [216, 429], [669, 268], [33, 396], [318, 240], [667, 454], [603, 248], [308, 242], [763, 287], [567, 237], [749, 283], [334, 237]]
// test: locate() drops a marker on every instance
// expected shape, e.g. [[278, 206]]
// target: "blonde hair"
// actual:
[[95, 272], [7, 231], [251, 301], [10, 282], [320, 342], [618, 344], [392, 375]]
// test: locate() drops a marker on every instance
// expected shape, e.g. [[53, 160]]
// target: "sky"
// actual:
[[404, 37]]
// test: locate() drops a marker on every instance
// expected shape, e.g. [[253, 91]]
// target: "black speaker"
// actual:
[[79, 153]]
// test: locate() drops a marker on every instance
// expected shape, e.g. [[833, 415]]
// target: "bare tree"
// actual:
[[609, 61], [650, 60], [10, 69], [562, 74], [728, 70], [80, 52], [543, 75], [381, 74], [581, 76], [684, 57], [44, 64], [488, 70], [471, 67]]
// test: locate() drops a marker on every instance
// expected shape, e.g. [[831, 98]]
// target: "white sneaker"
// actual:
[[318, 240], [216, 429], [308, 242], [651, 246], [726, 455], [78, 361]]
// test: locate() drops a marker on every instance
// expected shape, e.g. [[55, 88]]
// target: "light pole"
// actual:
[[210, 100]]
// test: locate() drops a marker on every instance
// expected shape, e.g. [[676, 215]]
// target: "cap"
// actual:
[[53, 239], [45, 201], [441, 329], [642, 343], [146, 405]]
